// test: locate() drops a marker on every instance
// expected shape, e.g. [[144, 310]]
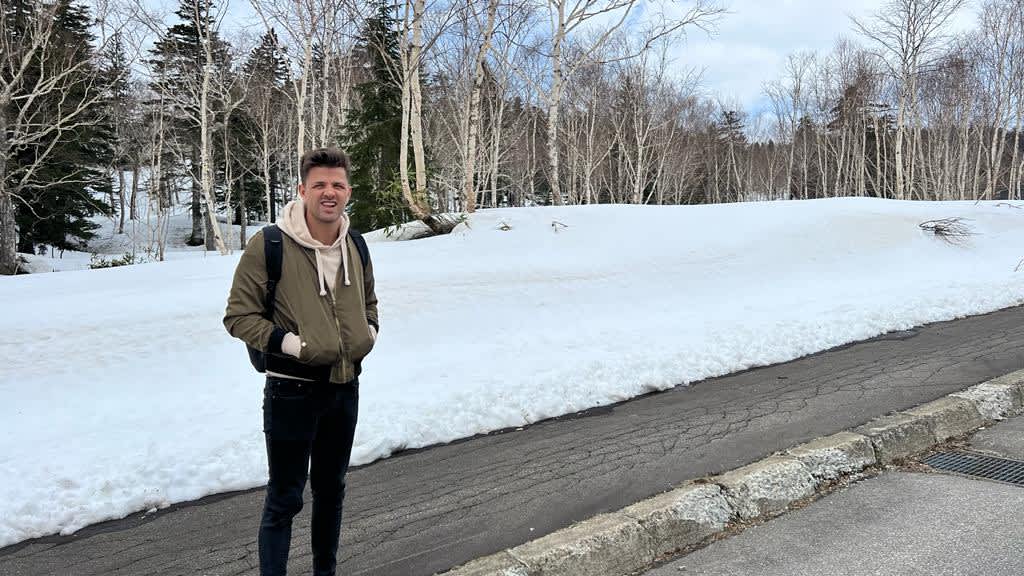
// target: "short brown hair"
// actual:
[[323, 157]]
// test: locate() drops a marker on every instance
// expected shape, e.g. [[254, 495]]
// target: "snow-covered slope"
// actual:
[[139, 238], [123, 392]]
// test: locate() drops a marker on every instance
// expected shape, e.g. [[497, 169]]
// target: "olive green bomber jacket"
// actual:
[[334, 329]]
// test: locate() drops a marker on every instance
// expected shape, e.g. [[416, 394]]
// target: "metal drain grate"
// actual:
[[999, 469]]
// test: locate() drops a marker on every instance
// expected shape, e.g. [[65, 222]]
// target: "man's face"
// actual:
[[325, 193]]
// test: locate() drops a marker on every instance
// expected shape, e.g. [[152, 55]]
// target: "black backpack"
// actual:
[[274, 252]]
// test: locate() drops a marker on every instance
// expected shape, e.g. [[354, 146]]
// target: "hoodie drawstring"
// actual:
[[320, 267], [344, 260], [293, 223], [320, 271]]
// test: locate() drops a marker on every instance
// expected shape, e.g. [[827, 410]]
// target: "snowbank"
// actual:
[[123, 392]]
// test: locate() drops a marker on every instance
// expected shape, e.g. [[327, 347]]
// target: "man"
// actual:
[[324, 322]]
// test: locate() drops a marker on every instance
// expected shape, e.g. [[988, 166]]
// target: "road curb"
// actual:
[[831, 457], [998, 398], [766, 487], [631, 539]]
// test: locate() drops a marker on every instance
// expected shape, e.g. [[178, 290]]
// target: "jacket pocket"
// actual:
[[362, 342], [320, 344]]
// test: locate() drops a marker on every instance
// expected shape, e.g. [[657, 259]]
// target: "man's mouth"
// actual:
[[329, 203]]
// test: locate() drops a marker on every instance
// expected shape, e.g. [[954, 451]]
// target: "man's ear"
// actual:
[[302, 191]]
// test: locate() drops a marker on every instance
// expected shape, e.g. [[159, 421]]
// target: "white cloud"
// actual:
[[754, 39]]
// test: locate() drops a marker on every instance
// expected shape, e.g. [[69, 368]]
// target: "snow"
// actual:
[[122, 391], [139, 238]]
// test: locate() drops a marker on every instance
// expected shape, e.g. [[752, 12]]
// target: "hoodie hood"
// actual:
[[293, 223]]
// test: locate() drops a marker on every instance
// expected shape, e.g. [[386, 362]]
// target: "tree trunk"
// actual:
[[325, 89], [946, 179], [961, 176], [531, 158], [1011, 185], [206, 160], [899, 162], [300, 105], [416, 96], [995, 160], [552, 132], [880, 161], [198, 235], [977, 168], [156, 183], [412, 123], [469, 171], [914, 145], [495, 152], [244, 215], [638, 178], [554, 101], [403, 142], [229, 179], [120, 194], [8, 233], [134, 214], [267, 189], [840, 157]]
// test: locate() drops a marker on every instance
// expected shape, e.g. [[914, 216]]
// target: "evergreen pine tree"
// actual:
[[121, 114], [69, 183], [178, 62], [374, 128], [730, 129], [731, 142], [266, 65], [266, 71]]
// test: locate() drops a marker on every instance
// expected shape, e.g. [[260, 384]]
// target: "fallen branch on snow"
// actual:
[[952, 230]]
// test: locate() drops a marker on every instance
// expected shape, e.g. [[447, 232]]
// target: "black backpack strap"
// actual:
[[360, 242], [274, 253]]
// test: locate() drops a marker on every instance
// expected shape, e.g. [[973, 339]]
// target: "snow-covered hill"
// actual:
[[123, 392]]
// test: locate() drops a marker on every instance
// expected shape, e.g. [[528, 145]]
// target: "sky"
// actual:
[[748, 48], [754, 38]]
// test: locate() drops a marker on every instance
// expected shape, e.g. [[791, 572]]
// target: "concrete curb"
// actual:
[[833, 456], [632, 538], [998, 398], [766, 487]]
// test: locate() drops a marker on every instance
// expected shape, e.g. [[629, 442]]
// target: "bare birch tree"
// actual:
[[909, 36], [472, 120], [567, 18]]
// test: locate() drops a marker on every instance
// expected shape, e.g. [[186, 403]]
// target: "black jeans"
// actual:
[[308, 425]]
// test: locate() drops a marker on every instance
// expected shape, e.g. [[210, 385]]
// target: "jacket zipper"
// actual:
[[337, 324]]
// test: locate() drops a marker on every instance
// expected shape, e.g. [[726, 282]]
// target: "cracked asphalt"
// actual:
[[425, 511]]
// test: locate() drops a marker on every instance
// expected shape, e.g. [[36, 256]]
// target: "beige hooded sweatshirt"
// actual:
[[328, 258], [293, 223]]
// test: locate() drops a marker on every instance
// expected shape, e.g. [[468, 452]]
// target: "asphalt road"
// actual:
[[425, 511]]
